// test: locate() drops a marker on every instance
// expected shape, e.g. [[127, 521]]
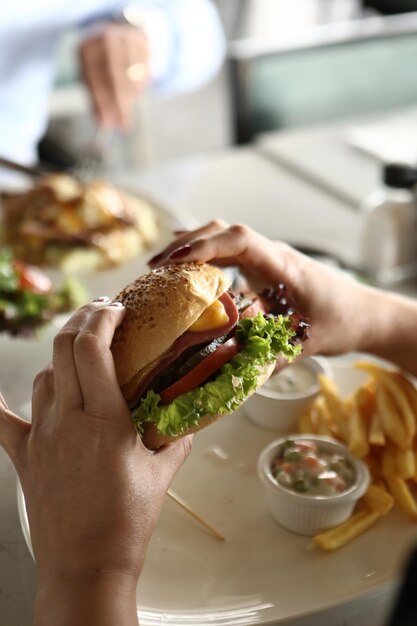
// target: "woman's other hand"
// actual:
[[115, 66], [336, 306]]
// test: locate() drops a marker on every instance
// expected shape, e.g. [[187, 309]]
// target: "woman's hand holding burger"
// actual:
[[93, 491], [345, 315]]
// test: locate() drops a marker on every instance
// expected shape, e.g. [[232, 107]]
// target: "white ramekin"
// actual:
[[279, 411], [306, 514]]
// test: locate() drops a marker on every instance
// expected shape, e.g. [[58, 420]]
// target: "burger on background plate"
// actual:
[[191, 350]]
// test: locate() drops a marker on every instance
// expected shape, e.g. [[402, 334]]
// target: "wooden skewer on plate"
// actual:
[[193, 514]]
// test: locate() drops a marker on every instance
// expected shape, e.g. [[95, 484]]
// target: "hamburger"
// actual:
[[191, 350]]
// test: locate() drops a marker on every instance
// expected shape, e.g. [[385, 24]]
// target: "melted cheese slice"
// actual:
[[214, 316], [129, 389]]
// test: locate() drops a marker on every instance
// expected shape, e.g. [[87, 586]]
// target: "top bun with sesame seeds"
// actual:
[[189, 350], [161, 306]]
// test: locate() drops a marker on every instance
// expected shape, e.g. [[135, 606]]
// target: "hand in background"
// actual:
[[345, 315], [115, 67], [93, 491]]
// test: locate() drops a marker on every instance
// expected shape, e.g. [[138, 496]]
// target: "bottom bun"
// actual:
[[154, 440]]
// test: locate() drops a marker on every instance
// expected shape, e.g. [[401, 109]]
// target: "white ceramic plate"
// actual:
[[110, 281], [261, 574]]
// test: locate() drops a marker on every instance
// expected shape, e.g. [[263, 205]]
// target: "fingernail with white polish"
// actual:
[[102, 299]]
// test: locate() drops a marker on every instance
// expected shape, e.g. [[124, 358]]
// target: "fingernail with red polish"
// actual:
[[102, 299], [180, 252], [155, 258]]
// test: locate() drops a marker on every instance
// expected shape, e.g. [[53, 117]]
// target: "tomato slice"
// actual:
[[202, 371], [32, 279]]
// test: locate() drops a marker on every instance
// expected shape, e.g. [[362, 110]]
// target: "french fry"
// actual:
[[335, 405], [415, 465], [305, 424], [388, 461], [379, 424], [376, 435], [405, 463], [366, 398], [357, 439], [378, 499], [403, 496], [398, 395], [374, 466], [323, 418], [390, 418], [409, 389], [338, 536], [381, 485]]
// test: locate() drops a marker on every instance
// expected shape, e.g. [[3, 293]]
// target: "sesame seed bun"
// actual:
[[161, 306]]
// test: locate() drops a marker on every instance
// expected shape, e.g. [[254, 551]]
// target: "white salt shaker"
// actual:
[[389, 233]]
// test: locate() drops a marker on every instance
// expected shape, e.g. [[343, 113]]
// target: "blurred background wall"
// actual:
[[168, 128]]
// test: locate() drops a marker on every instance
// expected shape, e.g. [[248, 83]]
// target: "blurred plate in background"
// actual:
[[110, 281]]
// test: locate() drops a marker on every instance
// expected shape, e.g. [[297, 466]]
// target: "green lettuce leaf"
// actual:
[[9, 278], [263, 338]]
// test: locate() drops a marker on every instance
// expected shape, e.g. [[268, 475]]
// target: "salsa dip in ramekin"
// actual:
[[311, 482]]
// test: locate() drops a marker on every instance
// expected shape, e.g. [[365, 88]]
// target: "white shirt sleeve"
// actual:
[[187, 44]]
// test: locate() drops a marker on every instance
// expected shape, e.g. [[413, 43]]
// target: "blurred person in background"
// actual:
[[170, 46]]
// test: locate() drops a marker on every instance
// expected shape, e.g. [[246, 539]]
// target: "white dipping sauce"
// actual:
[[294, 378]]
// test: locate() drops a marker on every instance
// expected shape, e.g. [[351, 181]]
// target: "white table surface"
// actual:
[[238, 185], [326, 156]]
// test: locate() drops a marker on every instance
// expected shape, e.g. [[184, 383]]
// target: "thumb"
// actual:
[[13, 431]]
